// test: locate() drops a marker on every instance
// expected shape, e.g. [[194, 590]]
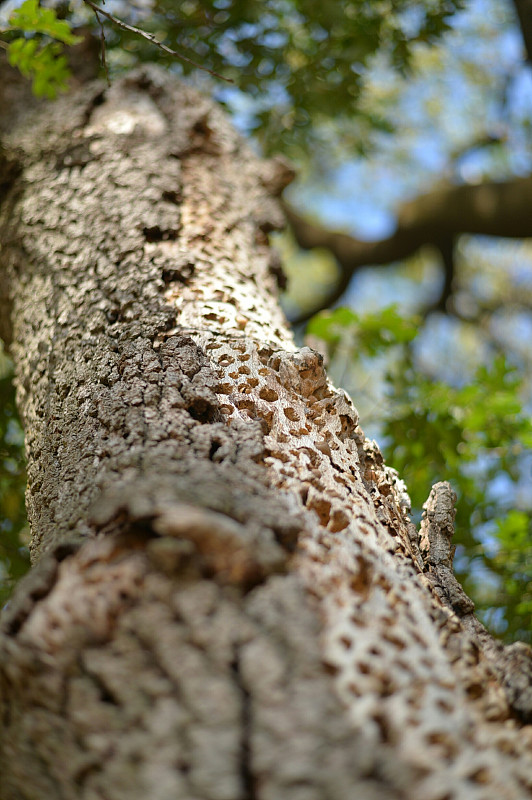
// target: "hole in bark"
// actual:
[[444, 706], [448, 747], [155, 233], [384, 728], [105, 694], [394, 640], [475, 690], [215, 446], [113, 315], [181, 275], [201, 127], [264, 354], [339, 521], [267, 416], [346, 428], [107, 697], [172, 197], [322, 508], [246, 404], [417, 638], [202, 409]]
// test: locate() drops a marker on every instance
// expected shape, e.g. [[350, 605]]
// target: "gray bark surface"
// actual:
[[229, 601]]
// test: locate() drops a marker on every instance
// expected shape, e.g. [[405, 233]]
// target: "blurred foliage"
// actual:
[[474, 435], [296, 64], [40, 56], [301, 61], [14, 557]]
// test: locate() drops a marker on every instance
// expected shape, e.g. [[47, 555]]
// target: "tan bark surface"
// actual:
[[229, 601]]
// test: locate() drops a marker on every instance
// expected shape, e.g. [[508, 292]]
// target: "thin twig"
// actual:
[[139, 32], [102, 48]]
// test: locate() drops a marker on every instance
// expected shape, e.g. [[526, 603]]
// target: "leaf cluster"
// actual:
[[477, 435], [37, 47], [300, 62], [297, 63]]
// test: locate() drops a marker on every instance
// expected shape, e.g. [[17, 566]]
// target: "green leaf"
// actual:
[[33, 18], [46, 66]]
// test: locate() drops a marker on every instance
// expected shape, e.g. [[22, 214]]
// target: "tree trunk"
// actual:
[[229, 601]]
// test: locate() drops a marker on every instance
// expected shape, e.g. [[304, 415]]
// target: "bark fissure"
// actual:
[[248, 777]]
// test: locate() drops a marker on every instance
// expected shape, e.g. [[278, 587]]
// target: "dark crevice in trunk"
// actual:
[[248, 778]]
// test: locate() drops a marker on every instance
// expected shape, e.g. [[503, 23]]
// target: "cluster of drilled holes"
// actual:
[[336, 520]]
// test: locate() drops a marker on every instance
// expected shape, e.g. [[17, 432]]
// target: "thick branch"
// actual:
[[490, 209], [524, 15]]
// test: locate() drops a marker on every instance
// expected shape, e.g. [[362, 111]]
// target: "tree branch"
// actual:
[[151, 38], [523, 9], [488, 209]]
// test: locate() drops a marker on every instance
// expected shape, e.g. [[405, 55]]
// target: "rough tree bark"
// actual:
[[228, 599]]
